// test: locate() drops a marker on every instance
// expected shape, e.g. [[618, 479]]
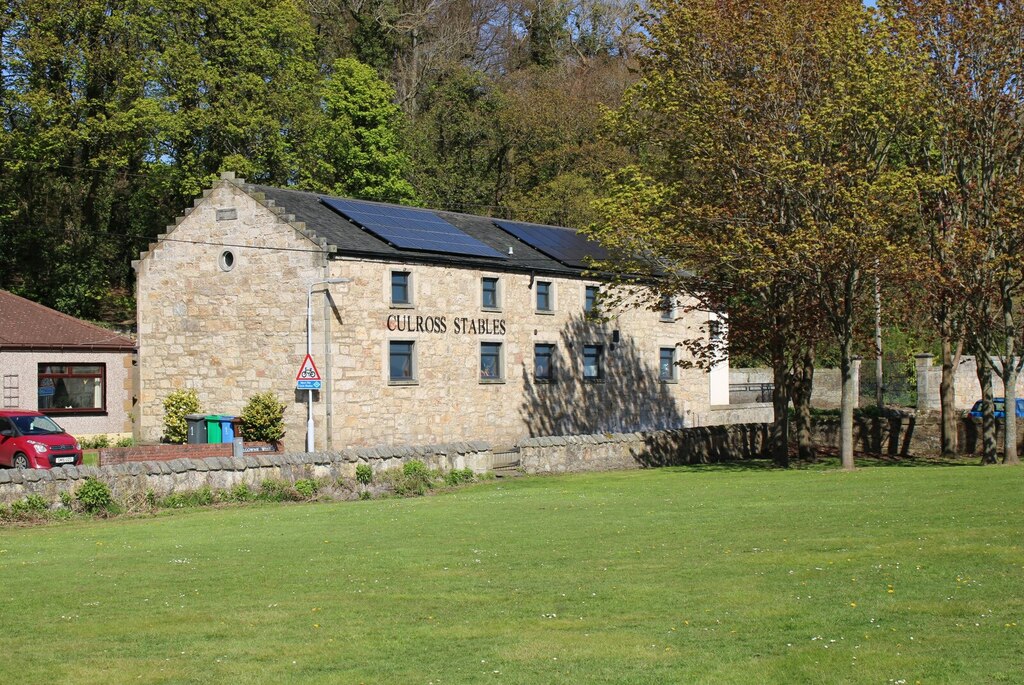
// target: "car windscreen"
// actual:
[[36, 425]]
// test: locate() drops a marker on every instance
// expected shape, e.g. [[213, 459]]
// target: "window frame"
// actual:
[[667, 309], [598, 363], [672, 369], [552, 351], [101, 375], [496, 307], [499, 361], [590, 306], [413, 377], [408, 302], [550, 294]]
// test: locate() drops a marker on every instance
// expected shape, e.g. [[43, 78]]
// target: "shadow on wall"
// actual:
[[627, 396]]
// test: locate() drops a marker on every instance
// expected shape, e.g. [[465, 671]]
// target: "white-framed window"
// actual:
[[490, 293], [492, 362], [593, 362], [401, 288], [545, 296], [667, 364], [401, 361]]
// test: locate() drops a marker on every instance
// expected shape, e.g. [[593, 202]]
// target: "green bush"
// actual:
[[416, 469], [151, 498], [365, 494], [458, 476], [263, 418], [241, 493], [278, 491], [125, 442], [364, 474], [96, 442], [66, 499], [176, 406], [94, 496], [203, 497], [414, 480], [307, 487]]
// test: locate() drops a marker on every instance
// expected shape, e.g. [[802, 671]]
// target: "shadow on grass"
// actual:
[[828, 459]]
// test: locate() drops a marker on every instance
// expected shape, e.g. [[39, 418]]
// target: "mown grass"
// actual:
[[720, 575]]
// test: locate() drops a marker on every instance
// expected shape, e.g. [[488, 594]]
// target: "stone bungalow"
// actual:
[[473, 333]]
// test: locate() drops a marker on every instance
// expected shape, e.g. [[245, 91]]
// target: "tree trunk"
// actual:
[[988, 421], [780, 406], [947, 400], [847, 404], [1009, 375], [879, 370], [803, 384]]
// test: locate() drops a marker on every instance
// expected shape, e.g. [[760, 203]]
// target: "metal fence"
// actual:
[[747, 393]]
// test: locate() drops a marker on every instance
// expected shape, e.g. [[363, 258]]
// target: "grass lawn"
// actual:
[[676, 575]]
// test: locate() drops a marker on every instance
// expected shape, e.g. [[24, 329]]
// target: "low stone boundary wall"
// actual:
[[909, 434], [131, 480], [121, 455]]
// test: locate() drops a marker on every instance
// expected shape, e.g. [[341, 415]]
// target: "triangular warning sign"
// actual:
[[308, 372]]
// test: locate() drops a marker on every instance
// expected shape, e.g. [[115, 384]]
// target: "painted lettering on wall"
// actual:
[[408, 323]]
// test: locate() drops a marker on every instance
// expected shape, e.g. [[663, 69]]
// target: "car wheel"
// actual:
[[20, 461]]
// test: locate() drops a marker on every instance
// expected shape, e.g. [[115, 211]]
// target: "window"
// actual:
[[489, 293], [592, 362], [543, 362], [72, 388], [544, 296], [402, 361], [227, 260], [401, 293], [667, 307], [590, 299], [667, 364], [490, 361]]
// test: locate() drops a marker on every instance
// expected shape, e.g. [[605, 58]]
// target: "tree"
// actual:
[[766, 187], [975, 53], [356, 150]]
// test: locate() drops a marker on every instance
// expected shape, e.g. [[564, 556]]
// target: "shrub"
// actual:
[[307, 487], [176, 406], [365, 494], [241, 493], [95, 442], [458, 476], [94, 496], [416, 469], [364, 474], [66, 499], [151, 497], [414, 480], [203, 497], [277, 491], [263, 418], [125, 442]]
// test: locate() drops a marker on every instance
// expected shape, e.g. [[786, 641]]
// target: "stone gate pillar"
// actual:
[[927, 388]]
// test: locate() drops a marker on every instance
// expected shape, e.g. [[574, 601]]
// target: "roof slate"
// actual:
[[353, 241], [28, 325]]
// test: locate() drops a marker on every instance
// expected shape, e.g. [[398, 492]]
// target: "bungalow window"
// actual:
[[72, 388], [489, 293], [667, 364], [590, 299], [544, 296], [490, 362], [543, 362]]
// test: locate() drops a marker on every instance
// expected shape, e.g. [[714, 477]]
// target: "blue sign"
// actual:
[[46, 392], [307, 385]]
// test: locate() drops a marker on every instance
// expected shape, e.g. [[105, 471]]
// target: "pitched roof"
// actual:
[[351, 240], [27, 325]]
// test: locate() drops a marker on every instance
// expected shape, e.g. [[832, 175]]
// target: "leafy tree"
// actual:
[[766, 188], [357, 151]]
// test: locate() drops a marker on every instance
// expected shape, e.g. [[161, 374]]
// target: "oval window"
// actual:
[[227, 260]]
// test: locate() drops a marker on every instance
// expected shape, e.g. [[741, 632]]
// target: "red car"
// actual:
[[30, 440]]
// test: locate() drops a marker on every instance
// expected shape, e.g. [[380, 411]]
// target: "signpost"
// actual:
[[308, 378]]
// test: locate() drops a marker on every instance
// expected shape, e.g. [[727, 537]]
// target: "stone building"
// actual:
[[460, 331], [77, 373]]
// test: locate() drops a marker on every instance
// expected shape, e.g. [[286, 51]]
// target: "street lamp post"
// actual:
[[309, 351]]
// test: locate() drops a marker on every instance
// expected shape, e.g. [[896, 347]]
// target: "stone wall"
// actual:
[[965, 383], [132, 480], [907, 435], [828, 385]]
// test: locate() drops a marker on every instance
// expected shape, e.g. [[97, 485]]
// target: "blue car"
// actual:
[[998, 408]]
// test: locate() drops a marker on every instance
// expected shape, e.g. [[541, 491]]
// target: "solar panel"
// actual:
[[562, 244], [410, 229]]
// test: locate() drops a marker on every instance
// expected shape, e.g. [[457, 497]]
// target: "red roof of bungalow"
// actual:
[[27, 325]]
